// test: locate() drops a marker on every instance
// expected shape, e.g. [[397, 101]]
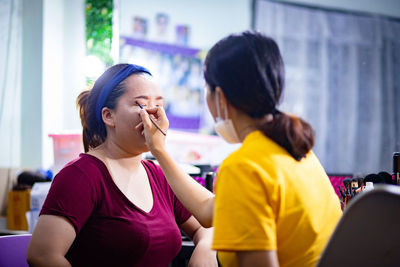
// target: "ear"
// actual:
[[108, 118], [223, 102]]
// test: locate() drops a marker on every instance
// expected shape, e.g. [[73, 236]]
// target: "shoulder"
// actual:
[[256, 152], [154, 170], [153, 167], [157, 176], [254, 145], [150, 164], [84, 169], [258, 159]]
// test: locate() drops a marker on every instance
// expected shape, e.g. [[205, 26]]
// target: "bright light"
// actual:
[[93, 67]]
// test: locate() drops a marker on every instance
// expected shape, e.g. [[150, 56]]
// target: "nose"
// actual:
[[153, 102], [150, 104]]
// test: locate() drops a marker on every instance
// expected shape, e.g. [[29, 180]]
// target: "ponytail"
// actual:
[[88, 137], [290, 132]]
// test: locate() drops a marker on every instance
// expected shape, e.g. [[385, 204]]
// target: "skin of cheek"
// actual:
[[127, 135], [141, 89]]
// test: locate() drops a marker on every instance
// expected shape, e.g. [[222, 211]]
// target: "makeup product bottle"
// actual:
[[396, 168], [347, 186], [354, 183], [209, 180]]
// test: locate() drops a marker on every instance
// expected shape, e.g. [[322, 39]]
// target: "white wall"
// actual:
[[209, 20], [31, 84], [380, 7], [63, 76], [10, 82], [53, 78], [74, 53]]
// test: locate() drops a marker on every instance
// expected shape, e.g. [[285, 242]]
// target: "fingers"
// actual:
[[140, 125], [152, 110], [161, 113], [154, 116], [158, 112], [145, 119], [140, 128]]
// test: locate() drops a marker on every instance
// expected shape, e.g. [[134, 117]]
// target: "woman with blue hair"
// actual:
[[109, 207]]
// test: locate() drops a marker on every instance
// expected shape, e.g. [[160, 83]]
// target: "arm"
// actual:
[[202, 238], [51, 239], [266, 258], [198, 200]]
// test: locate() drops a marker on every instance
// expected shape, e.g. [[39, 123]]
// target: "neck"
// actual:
[[109, 151], [244, 125], [245, 130]]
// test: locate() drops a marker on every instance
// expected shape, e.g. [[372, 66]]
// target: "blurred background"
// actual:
[[342, 62]]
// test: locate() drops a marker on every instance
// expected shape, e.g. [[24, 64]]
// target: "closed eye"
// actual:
[[145, 105], [139, 104]]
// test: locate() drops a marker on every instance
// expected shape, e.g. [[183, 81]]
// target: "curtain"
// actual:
[[10, 90], [343, 77]]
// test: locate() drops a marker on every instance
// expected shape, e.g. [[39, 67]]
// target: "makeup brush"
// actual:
[[152, 120]]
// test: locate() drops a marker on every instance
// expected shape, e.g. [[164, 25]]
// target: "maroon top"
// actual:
[[110, 229]]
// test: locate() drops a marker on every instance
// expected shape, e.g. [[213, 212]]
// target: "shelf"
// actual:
[[161, 47], [5, 231]]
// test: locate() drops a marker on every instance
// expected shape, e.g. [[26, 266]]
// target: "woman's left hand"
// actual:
[[203, 256]]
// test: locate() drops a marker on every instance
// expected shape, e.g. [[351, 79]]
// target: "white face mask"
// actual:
[[224, 127]]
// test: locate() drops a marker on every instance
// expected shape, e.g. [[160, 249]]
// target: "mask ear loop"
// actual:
[[218, 111], [226, 112]]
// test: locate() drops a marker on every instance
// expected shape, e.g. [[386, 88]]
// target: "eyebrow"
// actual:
[[146, 97]]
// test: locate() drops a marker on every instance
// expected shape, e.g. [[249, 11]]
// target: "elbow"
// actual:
[[32, 260], [35, 259], [206, 223], [206, 214], [30, 257]]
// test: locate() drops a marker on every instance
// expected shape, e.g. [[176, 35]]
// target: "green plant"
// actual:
[[99, 15]]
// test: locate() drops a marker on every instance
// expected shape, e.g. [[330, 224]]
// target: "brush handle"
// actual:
[[158, 127], [152, 120]]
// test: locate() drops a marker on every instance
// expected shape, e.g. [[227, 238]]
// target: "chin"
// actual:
[[146, 148], [139, 146]]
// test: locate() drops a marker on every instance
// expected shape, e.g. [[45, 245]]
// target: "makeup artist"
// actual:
[[109, 207], [274, 204]]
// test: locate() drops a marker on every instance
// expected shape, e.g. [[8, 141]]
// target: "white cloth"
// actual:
[[10, 72], [342, 76]]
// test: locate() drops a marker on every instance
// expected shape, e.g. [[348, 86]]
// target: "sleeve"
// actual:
[[70, 196], [243, 217], [181, 213]]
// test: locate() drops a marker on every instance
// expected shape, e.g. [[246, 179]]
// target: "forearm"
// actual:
[[198, 200], [203, 236], [203, 255]]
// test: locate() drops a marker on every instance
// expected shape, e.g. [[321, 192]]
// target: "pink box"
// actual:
[[66, 148]]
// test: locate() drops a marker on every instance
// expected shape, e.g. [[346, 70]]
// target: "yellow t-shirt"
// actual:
[[266, 200]]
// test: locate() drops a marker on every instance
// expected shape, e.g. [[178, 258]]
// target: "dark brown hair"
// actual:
[[249, 69]]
